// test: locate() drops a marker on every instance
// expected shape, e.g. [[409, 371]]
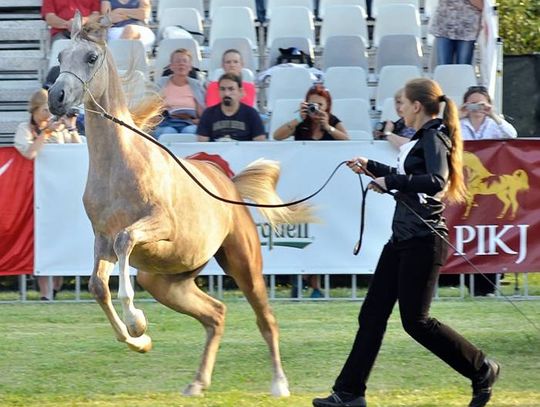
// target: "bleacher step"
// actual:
[[10, 120], [14, 92]]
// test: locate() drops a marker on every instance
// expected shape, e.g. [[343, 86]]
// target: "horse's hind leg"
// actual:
[[99, 287], [180, 293], [241, 259]]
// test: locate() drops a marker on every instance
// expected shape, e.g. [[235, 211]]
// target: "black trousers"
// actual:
[[407, 271]]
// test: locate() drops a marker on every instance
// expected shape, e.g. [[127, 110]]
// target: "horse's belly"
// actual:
[[168, 258]]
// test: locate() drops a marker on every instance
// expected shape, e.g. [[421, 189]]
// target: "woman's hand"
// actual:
[[303, 110], [322, 119], [378, 185], [118, 15], [357, 164]]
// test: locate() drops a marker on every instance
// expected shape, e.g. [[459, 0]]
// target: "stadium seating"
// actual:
[[284, 110], [344, 20], [354, 113], [345, 50], [291, 22], [391, 79], [166, 4], [324, 4], [272, 5], [397, 19], [223, 27], [455, 79], [216, 4], [288, 83], [127, 53], [302, 43], [187, 18], [404, 49], [347, 82]]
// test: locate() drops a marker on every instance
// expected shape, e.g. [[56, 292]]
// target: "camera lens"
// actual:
[[312, 108], [379, 126]]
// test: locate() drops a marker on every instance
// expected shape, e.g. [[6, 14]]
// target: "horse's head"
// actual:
[[83, 64]]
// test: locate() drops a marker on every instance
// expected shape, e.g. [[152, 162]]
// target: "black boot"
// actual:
[[340, 399], [483, 384]]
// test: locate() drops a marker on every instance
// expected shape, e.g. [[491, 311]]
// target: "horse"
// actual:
[[482, 182], [146, 212]]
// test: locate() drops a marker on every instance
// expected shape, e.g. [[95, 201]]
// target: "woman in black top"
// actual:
[[315, 120], [429, 167]]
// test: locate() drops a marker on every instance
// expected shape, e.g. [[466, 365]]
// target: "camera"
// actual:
[[379, 126], [73, 112], [312, 108], [474, 107]]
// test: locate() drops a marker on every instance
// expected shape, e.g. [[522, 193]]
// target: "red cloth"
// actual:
[[212, 94], [66, 9], [214, 159], [16, 213]]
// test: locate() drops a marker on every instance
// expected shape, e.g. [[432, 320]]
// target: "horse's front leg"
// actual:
[[99, 287], [146, 230]]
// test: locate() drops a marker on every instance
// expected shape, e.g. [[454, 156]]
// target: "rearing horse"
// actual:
[[146, 212]]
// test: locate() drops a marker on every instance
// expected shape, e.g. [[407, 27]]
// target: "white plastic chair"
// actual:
[[242, 44], [167, 46], [302, 43], [166, 4], [56, 48], [188, 18], [347, 82], [128, 52], [284, 110], [216, 4], [399, 49], [397, 19], [247, 75], [291, 22], [360, 135], [324, 4], [134, 87], [388, 111], [233, 22], [377, 4], [288, 83], [354, 113], [391, 79], [345, 50], [455, 79], [272, 5], [170, 138], [344, 20]]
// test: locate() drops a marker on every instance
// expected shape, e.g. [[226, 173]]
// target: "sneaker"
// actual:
[[483, 385], [340, 399]]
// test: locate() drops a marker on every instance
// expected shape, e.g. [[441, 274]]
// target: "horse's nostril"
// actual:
[[61, 95]]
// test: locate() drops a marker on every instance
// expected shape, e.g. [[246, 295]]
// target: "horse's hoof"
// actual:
[[280, 388], [193, 390], [141, 344], [137, 325]]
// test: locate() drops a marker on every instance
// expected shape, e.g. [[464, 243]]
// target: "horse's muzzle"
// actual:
[[57, 104]]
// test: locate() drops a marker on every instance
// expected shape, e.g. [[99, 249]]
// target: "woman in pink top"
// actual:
[[231, 62]]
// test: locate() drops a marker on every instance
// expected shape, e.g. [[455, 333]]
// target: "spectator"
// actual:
[[129, 19], [261, 10], [183, 96], [315, 120], [456, 25], [231, 119], [231, 62], [29, 139], [397, 133], [479, 120], [59, 15]]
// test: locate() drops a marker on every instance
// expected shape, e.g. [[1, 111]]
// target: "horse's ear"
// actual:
[[106, 21], [76, 25]]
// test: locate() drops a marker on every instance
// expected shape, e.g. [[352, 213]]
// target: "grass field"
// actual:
[[65, 354]]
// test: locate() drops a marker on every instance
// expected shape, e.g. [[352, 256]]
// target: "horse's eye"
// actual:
[[92, 58]]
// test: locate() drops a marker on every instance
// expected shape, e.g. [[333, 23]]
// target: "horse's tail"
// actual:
[[257, 183]]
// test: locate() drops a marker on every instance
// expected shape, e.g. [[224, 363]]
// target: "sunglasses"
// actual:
[[479, 88]]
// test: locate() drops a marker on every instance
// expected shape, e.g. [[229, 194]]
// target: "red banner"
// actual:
[[16, 213], [498, 227]]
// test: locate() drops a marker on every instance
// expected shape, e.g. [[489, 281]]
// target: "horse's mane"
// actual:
[[145, 109]]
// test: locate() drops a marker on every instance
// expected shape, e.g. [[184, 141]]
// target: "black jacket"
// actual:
[[426, 172]]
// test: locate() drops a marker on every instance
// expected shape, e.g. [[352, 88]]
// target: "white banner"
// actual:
[[64, 239]]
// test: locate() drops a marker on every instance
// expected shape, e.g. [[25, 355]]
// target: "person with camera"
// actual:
[[429, 168], [397, 133], [479, 120], [231, 119], [315, 120], [30, 137]]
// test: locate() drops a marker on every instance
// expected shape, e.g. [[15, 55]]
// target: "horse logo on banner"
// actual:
[[480, 181]]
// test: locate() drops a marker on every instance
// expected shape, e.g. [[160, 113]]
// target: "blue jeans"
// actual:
[[170, 125], [454, 51]]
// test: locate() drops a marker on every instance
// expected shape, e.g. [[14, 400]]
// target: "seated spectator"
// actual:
[[315, 120], [30, 136], [231, 62], [456, 25], [59, 15], [183, 97], [479, 120], [231, 119], [397, 133], [129, 19]]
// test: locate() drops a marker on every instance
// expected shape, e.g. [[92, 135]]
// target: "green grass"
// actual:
[[65, 354]]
